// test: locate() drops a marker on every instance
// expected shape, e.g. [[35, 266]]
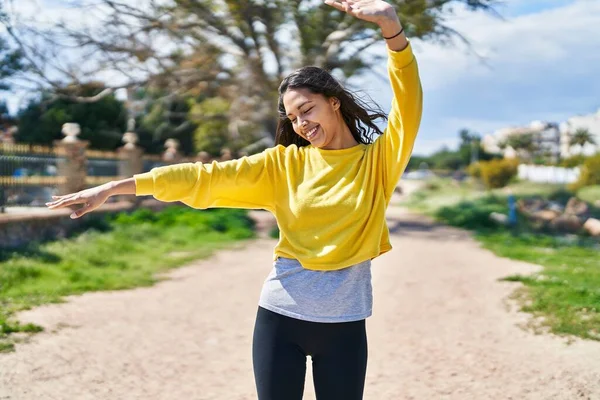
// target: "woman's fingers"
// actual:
[[82, 211], [68, 201], [336, 4], [58, 199]]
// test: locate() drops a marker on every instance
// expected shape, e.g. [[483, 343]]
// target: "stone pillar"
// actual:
[[226, 155], [203, 157], [171, 154], [8, 136], [72, 164], [130, 157]]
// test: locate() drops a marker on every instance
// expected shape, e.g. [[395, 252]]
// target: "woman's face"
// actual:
[[313, 116]]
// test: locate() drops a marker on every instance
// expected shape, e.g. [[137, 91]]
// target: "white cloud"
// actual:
[[426, 147], [542, 65]]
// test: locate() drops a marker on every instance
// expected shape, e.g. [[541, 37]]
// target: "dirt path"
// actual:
[[441, 329]]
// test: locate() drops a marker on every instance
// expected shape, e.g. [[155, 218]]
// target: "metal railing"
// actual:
[[28, 175]]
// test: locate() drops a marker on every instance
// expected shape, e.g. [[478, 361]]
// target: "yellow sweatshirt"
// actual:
[[329, 204]]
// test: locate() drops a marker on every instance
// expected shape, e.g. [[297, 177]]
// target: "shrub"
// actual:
[[498, 173], [590, 173], [473, 214], [474, 170], [572, 162]]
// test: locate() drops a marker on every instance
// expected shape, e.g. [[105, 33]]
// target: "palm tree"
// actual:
[[581, 137], [523, 143]]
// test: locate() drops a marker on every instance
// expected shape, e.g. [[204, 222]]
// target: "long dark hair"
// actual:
[[357, 113]]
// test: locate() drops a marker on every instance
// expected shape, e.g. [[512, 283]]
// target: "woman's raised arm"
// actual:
[[395, 146]]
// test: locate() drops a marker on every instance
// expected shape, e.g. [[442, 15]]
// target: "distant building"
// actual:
[[591, 122], [552, 139]]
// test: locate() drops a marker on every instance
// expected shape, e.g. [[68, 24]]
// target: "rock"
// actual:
[[592, 226], [555, 206], [576, 207], [545, 215], [497, 217], [530, 206], [566, 223]]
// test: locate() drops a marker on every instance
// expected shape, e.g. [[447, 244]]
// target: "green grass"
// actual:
[[591, 194], [121, 252], [565, 294]]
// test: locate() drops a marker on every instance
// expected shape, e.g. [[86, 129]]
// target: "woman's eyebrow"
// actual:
[[300, 106]]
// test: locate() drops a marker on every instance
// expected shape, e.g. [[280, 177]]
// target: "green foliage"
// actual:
[[591, 194], [590, 173], [523, 141], [469, 150], [274, 233], [165, 117], [102, 123], [581, 137], [212, 134], [573, 161], [498, 173], [129, 254], [474, 170], [218, 220], [474, 214]]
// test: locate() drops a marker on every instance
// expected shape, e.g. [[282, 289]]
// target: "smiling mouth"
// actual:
[[310, 134]]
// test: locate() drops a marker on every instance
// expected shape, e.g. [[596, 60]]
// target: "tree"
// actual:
[[470, 148], [164, 117], [185, 45], [522, 143], [11, 60], [102, 123], [581, 137]]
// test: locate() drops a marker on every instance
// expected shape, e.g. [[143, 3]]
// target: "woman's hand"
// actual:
[[90, 198], [376, 11], [94, 197]]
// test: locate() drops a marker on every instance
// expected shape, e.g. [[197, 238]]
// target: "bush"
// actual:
[[591, 194], [572, 162], [474, 214], [498, 173], [474, 170], [590, 173]]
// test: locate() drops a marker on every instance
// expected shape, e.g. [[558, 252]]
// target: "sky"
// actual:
[[540, 61]]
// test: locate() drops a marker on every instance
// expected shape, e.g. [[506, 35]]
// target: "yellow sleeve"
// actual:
[[397, 142], [247, 182]]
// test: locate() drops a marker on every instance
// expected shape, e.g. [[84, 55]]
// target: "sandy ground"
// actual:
[[442, 329]]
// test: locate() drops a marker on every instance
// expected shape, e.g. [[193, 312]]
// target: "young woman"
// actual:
[[328, 182]]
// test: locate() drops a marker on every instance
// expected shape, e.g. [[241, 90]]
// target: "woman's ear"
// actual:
[[335, 103]]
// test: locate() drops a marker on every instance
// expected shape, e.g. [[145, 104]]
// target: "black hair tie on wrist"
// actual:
[[397, 34]]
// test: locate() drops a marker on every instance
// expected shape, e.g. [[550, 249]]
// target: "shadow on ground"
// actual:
[[420, 226]]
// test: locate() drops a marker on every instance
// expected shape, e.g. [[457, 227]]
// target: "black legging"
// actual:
[[280, 347]]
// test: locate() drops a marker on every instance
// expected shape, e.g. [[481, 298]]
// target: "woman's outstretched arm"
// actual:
[[248, 183]]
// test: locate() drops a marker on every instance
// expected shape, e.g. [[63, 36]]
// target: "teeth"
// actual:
[[310, 133]]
